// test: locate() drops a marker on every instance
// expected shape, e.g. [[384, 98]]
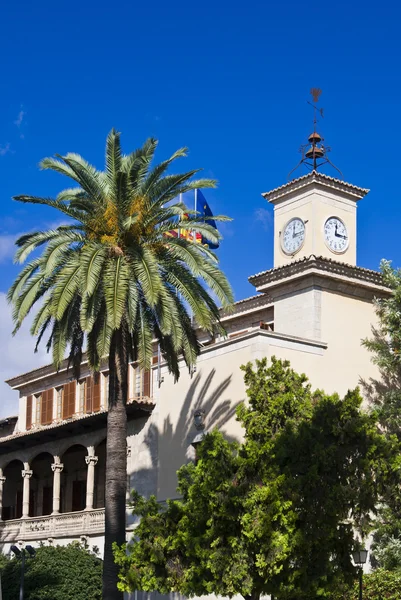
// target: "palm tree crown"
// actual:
[[115, 266]]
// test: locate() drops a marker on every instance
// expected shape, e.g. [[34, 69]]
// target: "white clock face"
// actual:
[[293, 236], [336, 235]]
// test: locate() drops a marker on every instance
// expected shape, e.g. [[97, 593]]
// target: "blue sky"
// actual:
[[228, 80]]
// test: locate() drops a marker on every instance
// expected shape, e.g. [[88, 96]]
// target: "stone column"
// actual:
[[57, 468], [26, 474], [2, 480], [91, 461]]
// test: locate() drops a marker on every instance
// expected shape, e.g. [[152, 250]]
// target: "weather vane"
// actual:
[[314, 153]]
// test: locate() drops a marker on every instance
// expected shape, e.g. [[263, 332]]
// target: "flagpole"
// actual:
[[179, 229], [195, 208]]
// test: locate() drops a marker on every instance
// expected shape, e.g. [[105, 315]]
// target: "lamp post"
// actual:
[[360, 557], [199, 422], [21, 554]]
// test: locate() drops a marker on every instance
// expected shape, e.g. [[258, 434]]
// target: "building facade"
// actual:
[[312, 308]]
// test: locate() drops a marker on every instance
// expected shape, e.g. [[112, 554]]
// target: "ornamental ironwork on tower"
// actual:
[[314, 153]]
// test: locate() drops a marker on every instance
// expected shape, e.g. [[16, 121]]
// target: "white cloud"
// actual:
[[7, 247], [264, 216], [17, 356], [5, 149], [20, 118]]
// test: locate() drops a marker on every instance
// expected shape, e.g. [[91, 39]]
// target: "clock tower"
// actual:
[[315, 214], [315, 286]]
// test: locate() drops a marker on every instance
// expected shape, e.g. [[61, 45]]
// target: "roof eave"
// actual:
[[314, 177]]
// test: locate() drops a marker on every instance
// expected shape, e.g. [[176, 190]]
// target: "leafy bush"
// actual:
[[379, 585], [55, 573]]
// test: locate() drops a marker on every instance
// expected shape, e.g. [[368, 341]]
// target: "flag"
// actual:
[[203, 208]]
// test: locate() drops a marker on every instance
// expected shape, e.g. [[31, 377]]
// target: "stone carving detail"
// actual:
[[26, 473], [57, 467], [38, 526], [54, 526], [91, 460]]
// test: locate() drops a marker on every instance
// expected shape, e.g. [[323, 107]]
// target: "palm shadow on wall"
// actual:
[[169, 445]]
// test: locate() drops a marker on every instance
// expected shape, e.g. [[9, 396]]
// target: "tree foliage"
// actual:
[[379, 585], [115, 279], [55, 573], [384, 394], [115, 266], [272, 515]]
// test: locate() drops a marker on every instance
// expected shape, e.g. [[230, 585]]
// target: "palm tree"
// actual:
[[114, 280]]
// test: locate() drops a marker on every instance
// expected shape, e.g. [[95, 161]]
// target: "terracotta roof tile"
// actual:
[[317, 176], [146, 402], [360, 272]]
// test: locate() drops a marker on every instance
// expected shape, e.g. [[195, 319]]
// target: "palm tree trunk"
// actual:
[[116, 461]]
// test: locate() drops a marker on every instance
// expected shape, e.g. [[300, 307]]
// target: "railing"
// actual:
[[72, 524]]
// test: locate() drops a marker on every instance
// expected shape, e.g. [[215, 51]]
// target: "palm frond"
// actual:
[[114, 266], [56, 253], [145, 270], [157, 172], [193, 293], [43, 315], [138, 167], [66, 286], [116, 278], [93, 257], [27, 272], [103, 339], [90, 306], [132, 303], [61, 206], [89, 178], [144, 336], [27, 298], [113, 159], [53, 164]]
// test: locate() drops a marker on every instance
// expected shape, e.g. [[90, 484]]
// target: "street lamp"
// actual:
[[360, 558], [199, 422], [21, 554]]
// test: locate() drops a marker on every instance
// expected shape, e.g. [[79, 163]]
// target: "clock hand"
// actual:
[[339, 235]]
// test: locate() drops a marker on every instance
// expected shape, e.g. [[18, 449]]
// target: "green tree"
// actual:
[[55, 573], [379, 585], [272, 515], [116, 280], [384, 394]]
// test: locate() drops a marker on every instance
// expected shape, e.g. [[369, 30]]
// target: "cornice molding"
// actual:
[[322, 266], [247, 305], [314, 177]]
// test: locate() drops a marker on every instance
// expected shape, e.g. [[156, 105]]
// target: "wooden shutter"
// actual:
[[96, 393], [105, 389], [89, 395], [69, 400], [29, 412], [130, 380], [146, 384], [46, 409], [92, 397]]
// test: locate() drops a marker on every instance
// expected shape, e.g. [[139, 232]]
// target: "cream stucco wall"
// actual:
[[216, 387], [345, 322]]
